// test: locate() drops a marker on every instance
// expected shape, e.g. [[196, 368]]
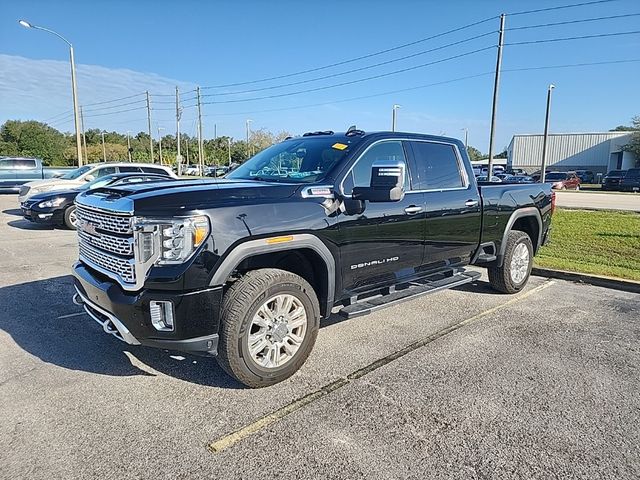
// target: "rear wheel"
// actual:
[[512, 276], [270, 320], [70, 218]]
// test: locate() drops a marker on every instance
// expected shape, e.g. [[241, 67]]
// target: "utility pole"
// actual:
[[104, 151], [229, 143], [466, 138], [546, 133], [160, 142], [84, 138], [200, 148], [129, 144], [247, 123], [187, 152], [149, 126], [178, 115], [394, 115], [496, 88], [215, 144]]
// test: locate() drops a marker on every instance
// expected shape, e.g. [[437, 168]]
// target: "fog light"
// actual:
[[161, 315]]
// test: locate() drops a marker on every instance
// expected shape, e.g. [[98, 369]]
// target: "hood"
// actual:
[[57, 183], [39, 197], [168, 198]]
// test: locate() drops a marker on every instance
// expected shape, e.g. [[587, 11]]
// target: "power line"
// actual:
[[120, 105], [548, 40], [114, 113], [355, 59], [568, 22], [367, 67], [527, 12], [546, 67], [325, 87], [113, 100]]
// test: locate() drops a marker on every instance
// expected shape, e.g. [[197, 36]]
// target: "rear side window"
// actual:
[[437, 166], [100, 172], [360, 174], [129, 169], [158, 171], [633, 173], [24, 163]]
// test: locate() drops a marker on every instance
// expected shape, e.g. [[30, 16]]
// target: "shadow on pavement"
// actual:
[[16, 212], [27, 225], [30, 315]]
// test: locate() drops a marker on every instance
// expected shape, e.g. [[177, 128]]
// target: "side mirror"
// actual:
[[89, 178], [387, 182]]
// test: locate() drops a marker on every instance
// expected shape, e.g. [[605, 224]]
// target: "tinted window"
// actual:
[[100, 172], [437, 165], [158, 171], [360, 175], [129, 169], [556, 176], [24, 164], [633, 173]]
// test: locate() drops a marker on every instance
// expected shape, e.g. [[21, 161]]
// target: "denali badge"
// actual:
[[374, 262]]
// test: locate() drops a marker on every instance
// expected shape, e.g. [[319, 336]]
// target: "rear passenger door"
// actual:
[[452, 204], [27, 170]]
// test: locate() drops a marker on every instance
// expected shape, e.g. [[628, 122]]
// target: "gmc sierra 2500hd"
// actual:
[[244, 268]]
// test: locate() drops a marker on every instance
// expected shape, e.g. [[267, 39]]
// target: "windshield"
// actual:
[[301, 160], [556, 176], [73, 174], [615, 173], [98, 182]]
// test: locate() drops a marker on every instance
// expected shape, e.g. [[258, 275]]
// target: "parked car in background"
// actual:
[[58, 208], [217, 172], [16, 171], [562, 180], [611, 180], [483, 178], [87, 173], [631, 181], [522, 179], [191, 170], [585, 176]]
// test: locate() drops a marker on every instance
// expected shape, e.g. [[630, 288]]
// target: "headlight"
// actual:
[[179, 238], [56, 202]]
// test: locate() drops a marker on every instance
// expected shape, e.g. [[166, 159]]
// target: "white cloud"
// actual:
[[40, 89]]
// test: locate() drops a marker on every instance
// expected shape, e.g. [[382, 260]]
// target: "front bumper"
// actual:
[[44, 216], [126, 315]]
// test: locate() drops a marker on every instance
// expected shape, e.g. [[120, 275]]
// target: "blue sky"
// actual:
[[124, 48]]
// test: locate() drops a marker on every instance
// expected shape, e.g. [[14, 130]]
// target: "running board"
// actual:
[[406, 292]]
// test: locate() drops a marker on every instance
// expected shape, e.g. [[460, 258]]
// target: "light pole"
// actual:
[[546, 133], [466, 138], [129, 144], [160, 142], [229, 143], [104, 151], [248, 122], [74, 93], [394, 116]]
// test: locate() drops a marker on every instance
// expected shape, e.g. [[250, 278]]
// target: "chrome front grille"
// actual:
[[105, 221], [124, 268], [110, 243]]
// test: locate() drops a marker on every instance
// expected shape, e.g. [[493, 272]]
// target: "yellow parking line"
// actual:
[[254, 427]]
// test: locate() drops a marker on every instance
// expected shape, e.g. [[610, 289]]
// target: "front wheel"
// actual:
[[512, 276], [269, 323], [70, 218]]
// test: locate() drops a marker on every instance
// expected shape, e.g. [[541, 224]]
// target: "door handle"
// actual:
[[471, 203], [412, 210]]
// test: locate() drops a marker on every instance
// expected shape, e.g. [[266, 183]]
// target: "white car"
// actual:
[[86, 173]]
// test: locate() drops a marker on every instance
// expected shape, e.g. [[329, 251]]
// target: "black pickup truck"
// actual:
[[245, 267]]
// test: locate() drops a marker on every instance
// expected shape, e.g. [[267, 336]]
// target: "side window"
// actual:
[[101, 172], [437, 166], [6, 164], [158, 171], [360, 175], [25, 164], [129, 169]]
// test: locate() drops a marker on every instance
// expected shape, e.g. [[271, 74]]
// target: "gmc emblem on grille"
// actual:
[[90, 228]]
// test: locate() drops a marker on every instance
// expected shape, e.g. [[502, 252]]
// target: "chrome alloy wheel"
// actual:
[[73, 218], [277, 331], [519, 263]]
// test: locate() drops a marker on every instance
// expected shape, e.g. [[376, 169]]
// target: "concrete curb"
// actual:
[[597, 280]]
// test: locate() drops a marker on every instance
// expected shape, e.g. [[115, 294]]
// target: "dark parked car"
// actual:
[[58, 208], [244, 267], [611, 180], [631, 181], [585, 176], [562, 180]]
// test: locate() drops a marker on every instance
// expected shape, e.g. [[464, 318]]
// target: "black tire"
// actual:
[[69, 214], [500, 278], [240, 303]]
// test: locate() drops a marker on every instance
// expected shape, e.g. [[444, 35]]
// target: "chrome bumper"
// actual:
[[110, 324]]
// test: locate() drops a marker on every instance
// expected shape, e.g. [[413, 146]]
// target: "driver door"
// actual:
[[385, 242]]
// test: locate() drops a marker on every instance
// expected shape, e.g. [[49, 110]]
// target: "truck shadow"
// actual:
[[41, 319]]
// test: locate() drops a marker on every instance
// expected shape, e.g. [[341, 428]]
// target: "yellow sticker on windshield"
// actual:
[[339, 146]]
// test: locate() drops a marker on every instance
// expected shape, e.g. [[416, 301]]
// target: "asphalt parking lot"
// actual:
[[465, 383]]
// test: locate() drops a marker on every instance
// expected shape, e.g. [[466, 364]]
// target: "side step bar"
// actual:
[[406, 292]]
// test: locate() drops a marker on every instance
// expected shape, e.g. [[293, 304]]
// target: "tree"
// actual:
[[33, 139], [474, 154], [634, 145]]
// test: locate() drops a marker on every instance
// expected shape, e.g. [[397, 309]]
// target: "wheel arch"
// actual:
[[302, 254], [527, 220]]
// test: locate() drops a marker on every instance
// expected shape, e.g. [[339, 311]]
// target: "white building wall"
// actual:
[[567, 151]]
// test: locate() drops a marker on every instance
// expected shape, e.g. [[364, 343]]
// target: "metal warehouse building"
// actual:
[[598, 152]]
